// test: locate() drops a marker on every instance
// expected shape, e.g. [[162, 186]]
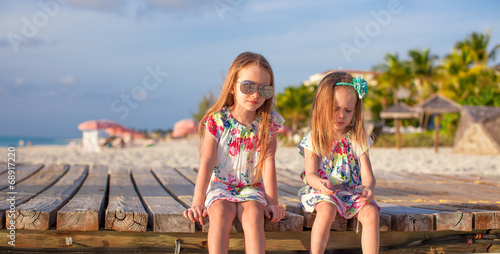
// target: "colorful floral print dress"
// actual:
[[238, 152], [341, 167]]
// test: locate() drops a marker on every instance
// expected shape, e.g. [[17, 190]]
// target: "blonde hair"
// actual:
[[323, 116], [226, 99]]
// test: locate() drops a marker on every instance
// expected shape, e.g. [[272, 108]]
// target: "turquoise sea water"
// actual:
[[7, 141]]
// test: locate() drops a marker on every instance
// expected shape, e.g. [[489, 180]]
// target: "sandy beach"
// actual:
[[184, 153]]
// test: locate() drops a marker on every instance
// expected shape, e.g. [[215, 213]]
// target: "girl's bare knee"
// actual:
[[368, 213], [222, 210], [326, 210], [252, 213]]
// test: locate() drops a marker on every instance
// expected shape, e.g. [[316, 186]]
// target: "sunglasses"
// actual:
[[249, 87]]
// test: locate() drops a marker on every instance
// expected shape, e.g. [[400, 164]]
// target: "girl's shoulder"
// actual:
[[220, 116], [358, 148], [276, 118], [305, 143]]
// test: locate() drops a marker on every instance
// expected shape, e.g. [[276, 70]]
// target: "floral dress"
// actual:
[[341, 167], [238, 152]]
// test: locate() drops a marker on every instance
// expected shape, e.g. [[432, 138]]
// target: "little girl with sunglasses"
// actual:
[[338, 173], [238, 145]]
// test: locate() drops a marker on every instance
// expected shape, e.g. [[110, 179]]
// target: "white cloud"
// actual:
[[68, 80]]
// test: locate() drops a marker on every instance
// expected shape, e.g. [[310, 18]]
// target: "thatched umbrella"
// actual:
[[478, 131], [437, 104], [397, 112]]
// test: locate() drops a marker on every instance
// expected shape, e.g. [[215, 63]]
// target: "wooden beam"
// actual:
[[436, 133], [29, 188], [398, 133], [41, 211], [165, 213], [276, 242], [22, 171], [85, 210], [125, 211]]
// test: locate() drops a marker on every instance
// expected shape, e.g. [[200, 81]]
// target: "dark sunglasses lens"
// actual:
[[266, 91], [247, 87]]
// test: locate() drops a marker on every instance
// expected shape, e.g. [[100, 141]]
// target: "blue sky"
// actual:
[[147, 63]]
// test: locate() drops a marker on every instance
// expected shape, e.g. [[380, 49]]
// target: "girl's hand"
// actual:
[[327, 187], [196, 213], [277, 211], [367, 195]]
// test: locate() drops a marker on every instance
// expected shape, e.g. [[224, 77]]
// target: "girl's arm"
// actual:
[[269, 178], [367, 178], [311, 167], [207, 164]]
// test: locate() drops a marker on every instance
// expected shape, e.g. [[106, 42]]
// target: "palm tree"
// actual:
[[394, 75], [295, 103], [466, 68], [477, 44], [423, 70]]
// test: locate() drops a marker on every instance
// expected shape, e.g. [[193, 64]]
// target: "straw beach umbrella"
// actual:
[[437, 104], [397, 112]]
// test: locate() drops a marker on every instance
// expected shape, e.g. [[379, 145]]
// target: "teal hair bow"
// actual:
[[359, 84]]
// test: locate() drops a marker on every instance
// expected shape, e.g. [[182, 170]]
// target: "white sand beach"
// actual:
[[184, 153]]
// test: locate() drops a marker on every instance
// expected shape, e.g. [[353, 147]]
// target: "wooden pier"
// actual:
[[90, 208]]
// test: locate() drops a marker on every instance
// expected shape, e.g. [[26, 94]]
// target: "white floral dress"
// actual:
[[238, 151], [340, 167]]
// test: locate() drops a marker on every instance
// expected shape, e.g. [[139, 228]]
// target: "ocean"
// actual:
[[7, 141]]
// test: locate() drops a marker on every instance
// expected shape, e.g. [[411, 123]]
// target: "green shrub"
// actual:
[[425, 139]]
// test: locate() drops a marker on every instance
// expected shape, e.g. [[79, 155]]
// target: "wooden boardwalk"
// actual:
[[83, 204]]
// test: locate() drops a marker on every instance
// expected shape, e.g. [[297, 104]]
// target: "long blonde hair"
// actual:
[[226, 99], [323, 116]]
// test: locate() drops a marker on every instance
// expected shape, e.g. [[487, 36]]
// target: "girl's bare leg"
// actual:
[[221, 214], [320, 232], [251, 216], [370, 236]]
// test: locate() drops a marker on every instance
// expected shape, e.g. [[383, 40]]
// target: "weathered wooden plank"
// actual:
[[474, 179], [28, 188], [165, 213], [22, 171], [84, 211], [290, 179], [457, 221], [446, 217], [40, 212], [407, 218], [4, 167], [291, 222], [487, 220], [437, 189], [125, 211], [188, 173], [276, 242], [178, 186], [289, 202], [464, 216]]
